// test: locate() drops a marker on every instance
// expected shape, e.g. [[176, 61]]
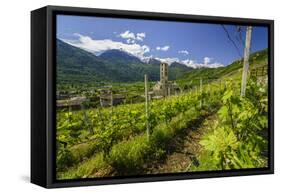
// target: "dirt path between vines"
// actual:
[[184, 149]]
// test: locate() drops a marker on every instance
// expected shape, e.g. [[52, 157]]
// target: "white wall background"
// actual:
[[15, 95]]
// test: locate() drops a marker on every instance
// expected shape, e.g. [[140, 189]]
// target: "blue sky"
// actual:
[[194, 44]]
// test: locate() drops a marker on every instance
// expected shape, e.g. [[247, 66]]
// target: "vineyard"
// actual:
[[114, 141], [119, 133]]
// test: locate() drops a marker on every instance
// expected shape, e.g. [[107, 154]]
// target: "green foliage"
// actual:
[[86, 169], [239, 139], [129, 156], [161, 136], [64, 159], [221, 144]]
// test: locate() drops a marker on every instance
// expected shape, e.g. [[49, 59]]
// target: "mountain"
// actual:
[[180, 66], [259, 58], [153, 61], [75, 65], [119, 56]]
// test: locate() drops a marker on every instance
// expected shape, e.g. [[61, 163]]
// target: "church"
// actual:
[[164, 87]]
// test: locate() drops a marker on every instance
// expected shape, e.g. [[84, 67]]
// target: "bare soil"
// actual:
[[185, 149]]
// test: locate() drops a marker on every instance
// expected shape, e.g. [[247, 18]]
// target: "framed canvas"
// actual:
[[126, 96]]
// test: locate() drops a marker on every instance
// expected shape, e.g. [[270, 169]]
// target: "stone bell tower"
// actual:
[[164, 78]]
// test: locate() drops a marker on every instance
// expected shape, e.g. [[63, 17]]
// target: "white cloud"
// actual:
[[168, 60], [147, 59], [207, 60], [214, 65], [140, 36], [164, 48], [192, 63], [131, 37], [127, 35], [207, 63], [98, 46], [185, 52], [130, 41]]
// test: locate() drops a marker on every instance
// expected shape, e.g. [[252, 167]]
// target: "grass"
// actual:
[[86, 169]]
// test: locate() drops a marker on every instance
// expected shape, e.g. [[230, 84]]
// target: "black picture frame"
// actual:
[[43, 89]]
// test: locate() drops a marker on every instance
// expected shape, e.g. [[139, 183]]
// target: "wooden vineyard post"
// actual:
[[169, 91], [246, 60], [100, 101], [201, 90], [85, 117], [69, 111], [146, 105], [111, 104], [111, 98], [101, 117]]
